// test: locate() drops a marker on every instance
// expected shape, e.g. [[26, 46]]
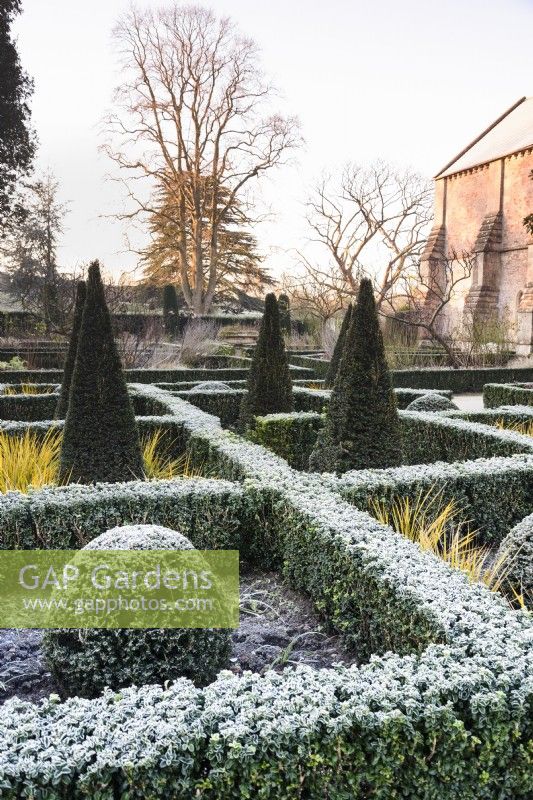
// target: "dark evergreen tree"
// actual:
[[17, 142], [68, 369], [269, 381], [362, 428], [329, 380], [100, 440], [284, 314], [170, 309]]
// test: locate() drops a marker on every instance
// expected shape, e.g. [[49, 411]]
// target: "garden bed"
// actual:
[[439, 706], [279, 629]]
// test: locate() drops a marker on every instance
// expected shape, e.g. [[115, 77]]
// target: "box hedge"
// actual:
[[225, 403], [152, 376], [428, 437], [291, 436], [493, 494], [518, 547], [468, 379], [316, 399], [28, 407], [504, 394], [447, 716], [212, 513]]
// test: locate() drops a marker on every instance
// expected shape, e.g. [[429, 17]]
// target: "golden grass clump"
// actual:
[[28, 389], [29, 461], [32, 460], [160, 463], [439, 528], [525, 428]]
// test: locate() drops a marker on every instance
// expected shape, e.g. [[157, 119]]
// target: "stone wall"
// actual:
[[481, 211]]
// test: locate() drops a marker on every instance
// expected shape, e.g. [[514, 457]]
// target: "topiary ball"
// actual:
[[432, 402], [211, 386], [84, 662], [517, 549]]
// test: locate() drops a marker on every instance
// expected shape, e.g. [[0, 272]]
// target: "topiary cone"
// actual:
[[269, 381], [362, 428], [100, 439], [329, 380]]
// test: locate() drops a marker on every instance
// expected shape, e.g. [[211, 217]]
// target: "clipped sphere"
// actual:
[[517, 550], [84, 662], [211, 386], [140, 537], [432, 402]]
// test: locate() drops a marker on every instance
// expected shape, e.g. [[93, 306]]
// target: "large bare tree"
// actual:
[[371, 222], [193, 105]]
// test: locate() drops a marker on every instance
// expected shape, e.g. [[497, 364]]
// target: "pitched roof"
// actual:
[[510, 133]]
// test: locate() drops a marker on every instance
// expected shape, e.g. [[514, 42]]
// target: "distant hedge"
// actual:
[[457, 380], [316, 399], [504, 394], [149, 376]]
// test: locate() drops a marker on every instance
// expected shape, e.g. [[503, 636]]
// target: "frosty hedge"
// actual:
[[502, 394], [428, 437], [446, 710]]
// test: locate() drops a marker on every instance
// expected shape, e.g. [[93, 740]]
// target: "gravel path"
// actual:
[[278, 629]]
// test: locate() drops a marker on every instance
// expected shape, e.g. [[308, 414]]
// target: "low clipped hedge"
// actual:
[[316, 399], [493, 494], [447, 716], [437, 437], [151, 376], [224, 403], [291, 436], [510, 415], [502, 394], [468, 379], [427, 437], [28, 407], [212, 513]]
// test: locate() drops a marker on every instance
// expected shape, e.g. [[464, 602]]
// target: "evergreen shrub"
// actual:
[[432, 402], [85, 662], [362, 428], [100, 438], [269, 386], [68, 369]]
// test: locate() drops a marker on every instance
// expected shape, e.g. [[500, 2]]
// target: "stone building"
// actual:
[[481, 199]]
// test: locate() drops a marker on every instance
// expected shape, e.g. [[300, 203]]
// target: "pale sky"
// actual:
[[411, 82]]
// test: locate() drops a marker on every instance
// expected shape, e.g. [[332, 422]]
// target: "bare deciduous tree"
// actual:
[[427, 291], [317, 292], [372, 222], [193, 106]]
